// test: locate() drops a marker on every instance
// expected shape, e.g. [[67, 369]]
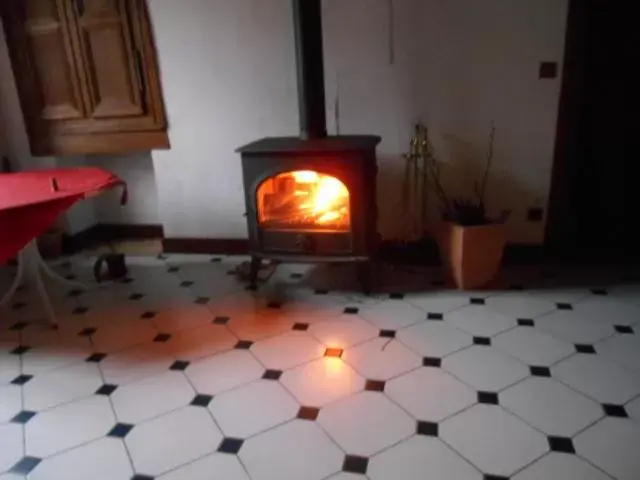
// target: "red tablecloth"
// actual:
[[30, 202]]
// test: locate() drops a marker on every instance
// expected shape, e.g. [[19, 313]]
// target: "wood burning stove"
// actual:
[[311, 198]]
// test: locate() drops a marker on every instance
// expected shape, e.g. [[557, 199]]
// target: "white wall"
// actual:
[[228, 75]]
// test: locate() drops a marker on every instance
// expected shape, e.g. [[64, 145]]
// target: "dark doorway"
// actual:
[[595, 199]]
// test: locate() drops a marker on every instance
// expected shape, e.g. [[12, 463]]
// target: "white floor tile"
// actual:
[[10, 402], [598, 378], [322, 381], [612, 445], [224, 466], [253, 408], [68, 426], [623, 349], [153, 396], [392, 314], [116, 337], [533, 346], [136, 363], [366, 423], [560, 465], [11, 476], [418, 458], [479, 320], [550, 406], [599, 309], [225, 371], [570, 326], [9, 367], [519, 305], [434, 338], [430, 394], [61, 386], [172, 440], [11, 441], [381, 359], [201, 342], [633, 409], [485, 368], [287, 350], [298, 449], [104, 459], [343, 331], [438, 301], [42, 359], [259, 326], [493, 440], [189, 316]]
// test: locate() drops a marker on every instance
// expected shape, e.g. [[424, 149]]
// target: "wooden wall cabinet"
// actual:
[[86, 74]]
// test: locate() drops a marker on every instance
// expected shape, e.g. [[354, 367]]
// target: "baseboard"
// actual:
[[217, 246], [109, 232], [415, 253]]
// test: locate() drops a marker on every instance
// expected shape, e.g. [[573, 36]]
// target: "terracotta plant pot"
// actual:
[[471, 255]]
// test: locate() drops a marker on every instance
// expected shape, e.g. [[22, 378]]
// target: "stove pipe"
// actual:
[[307, 22]]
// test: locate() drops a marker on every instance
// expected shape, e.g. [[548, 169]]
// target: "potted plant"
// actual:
[[471, 242]]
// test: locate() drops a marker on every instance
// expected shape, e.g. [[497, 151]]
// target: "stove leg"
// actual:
[[365, 276], [253, 273]]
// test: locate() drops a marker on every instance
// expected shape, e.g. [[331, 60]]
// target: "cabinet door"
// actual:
[[43, 61], [112, 62]]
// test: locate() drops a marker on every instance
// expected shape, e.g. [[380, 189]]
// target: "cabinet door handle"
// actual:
[[80, 6], [140, 77]]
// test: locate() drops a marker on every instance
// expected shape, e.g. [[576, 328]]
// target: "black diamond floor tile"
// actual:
[[136, 296], [355, 464], [580, 348], [374, 385], [173, 269], [614, 410], [138, 476], [387, 333], [202, 300], [274, 305], [484, 341], [148, 315], [396, 296], [561, 444], [434, 316], [18, 326], [96, 357], [526, 322], [243, 345], [624, 329], [80, 310], [231, 445], [221, 320], [351, 310], [179, 365], [488, 476], [599, 291], [120, 430], [301, 327], [25, 465], [186, 284], [488, 398], [431, 362], [162, 337], [333, 352], [21, 379], [20, 350], [296, 276], [106, 389], [272, 374], [215, 260], [540, 371], [87, 332], [201, 400], [564, 306], [308, 413], [321, 291], [477, 301], [516, 287], [23, 417], [429, 429]]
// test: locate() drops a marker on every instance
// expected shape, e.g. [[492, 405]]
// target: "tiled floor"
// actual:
[[181, 373]]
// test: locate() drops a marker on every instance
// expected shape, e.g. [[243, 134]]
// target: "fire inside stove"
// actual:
[[303, 200]]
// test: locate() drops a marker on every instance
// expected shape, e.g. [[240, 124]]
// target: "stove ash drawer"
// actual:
[[308, 243]]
